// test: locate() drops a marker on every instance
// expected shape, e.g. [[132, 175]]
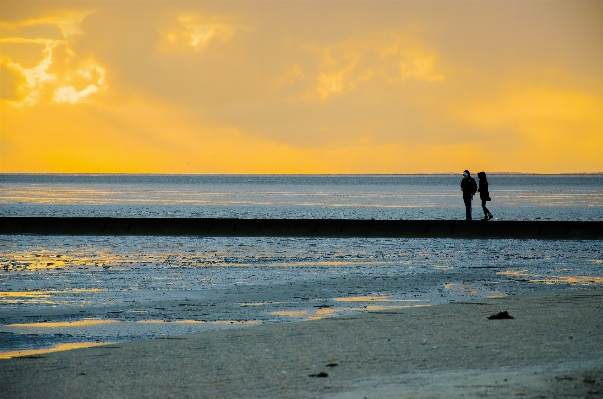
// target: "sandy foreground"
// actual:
[[552, 348]]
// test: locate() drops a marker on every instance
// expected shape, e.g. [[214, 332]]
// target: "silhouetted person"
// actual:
[[469, 187], [484, 195]]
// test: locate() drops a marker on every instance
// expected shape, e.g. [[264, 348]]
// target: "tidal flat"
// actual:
[[65, 290]]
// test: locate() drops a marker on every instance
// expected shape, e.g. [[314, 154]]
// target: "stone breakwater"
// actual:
[[233, 227]]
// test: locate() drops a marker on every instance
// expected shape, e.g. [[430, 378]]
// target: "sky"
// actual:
[[301, 86]]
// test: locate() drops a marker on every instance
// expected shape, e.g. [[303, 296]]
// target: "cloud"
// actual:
[[88, 71], [54, 75], [194, 32], [392, 57], [67, 21], [35, 78], [68, 94], [293, 75], [319, 87]]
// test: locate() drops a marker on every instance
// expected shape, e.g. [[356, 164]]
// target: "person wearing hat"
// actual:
[[469, 187]]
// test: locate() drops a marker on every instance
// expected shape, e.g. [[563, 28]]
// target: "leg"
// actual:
[[487, 214], [485, 210], [467, 208]]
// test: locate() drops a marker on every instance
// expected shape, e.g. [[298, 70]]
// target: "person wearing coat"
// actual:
[[469, 188], [484, 195]]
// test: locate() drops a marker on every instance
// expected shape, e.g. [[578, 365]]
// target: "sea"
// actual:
[[61, 292]]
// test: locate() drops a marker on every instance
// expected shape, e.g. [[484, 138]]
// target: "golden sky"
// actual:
[[301, 86]]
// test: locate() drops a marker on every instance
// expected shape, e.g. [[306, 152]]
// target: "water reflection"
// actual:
[[372, 298], [290, 313], [46, 293], [537, 278], [48, 260], [79, 323], [57, 348], [49, 297], [578, 280], [217, 322], [323, 312], [246, 304], [518, 273], [461, 288]]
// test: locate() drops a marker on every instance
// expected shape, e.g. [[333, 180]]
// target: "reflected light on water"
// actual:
[[518, 273], [21, 294], [385, 307], [461, 288], [290, 313], [39, 262], [43, 297], [579, 280], [245, 322], [104, 258], [535, 278], [218, 322], [323, 313], [58, 348], [79, 323], [246, 304], [326, 312], [372, 298]]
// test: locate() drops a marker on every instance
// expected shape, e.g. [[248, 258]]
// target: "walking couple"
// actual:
[[469, 188]]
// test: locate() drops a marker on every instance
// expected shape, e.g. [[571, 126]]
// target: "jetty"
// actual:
[[335, 228]]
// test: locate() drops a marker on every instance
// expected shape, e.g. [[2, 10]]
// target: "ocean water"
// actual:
[[514, 197], [58, 290]]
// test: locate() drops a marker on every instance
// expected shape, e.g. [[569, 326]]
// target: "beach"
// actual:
[[553, 347], [243, 317]]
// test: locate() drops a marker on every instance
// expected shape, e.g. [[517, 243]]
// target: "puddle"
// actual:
[[22, 294], [577, 280], [306, 315], [218, 322], [79, 323], [535, 278], [372, 298], [461, 288], [57, 348], [518, 273], [290, 313]]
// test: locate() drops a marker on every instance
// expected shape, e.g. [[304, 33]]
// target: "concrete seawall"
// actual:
[[210, 227]]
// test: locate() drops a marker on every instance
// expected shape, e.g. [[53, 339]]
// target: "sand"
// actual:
[[552, 348]]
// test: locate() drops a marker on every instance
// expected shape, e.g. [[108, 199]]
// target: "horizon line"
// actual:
[[293, 174]]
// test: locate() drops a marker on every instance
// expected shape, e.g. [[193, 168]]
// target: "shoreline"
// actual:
[[553, 344]]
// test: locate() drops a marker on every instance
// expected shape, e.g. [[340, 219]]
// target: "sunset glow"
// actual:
[[301, 86]]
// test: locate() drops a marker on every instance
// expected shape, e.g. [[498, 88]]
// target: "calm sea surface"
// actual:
[[78, 290], [514, 197]]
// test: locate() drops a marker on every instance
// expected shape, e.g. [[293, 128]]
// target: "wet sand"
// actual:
[[552, 348]]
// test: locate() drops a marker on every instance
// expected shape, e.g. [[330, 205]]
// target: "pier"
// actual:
[[336, 228]]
